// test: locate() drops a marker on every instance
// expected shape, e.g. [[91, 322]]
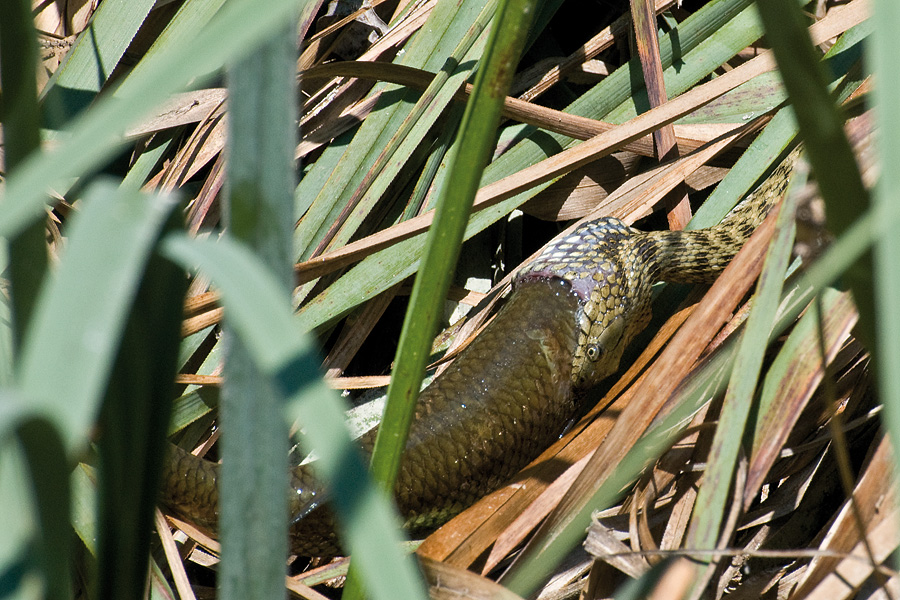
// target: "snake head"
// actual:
[[601, 264]]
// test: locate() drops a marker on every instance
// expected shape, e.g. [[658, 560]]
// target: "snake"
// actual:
[[511, 392]]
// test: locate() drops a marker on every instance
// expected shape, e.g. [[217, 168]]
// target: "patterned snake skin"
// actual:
[[511, 392]]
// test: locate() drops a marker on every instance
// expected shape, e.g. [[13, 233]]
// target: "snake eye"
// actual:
[[594, 352]]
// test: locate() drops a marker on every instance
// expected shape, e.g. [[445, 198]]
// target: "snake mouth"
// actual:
[[580, 287]]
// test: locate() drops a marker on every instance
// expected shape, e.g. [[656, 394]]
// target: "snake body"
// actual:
[[510, 393]]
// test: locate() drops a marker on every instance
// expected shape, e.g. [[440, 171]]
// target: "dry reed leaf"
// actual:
[[195, 534], [327, 103], [787, 497], [173, 558], [340, 23], [363, 382], [883, 539], [336, 121], [680, 516], [79, 13], [197, 379], [603, 544], [637, 198], [447, 582], [303, 591], [677, 202], [525, 523], [203, 210], [322, 573], [181, 109], [47, 17], [675, 477], [876, 500], [204, 143], [200, 322], [580, 193], [675, 582], [199, 303], [577, 194], [355, 331], [689, 136]]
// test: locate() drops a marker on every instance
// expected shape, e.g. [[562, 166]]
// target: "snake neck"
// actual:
[[700, 256], [612, 267]]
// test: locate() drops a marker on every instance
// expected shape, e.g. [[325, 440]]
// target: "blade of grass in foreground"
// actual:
[[887, 210], [68, 353], [261, 316], [20, 115], [476, 140], [134, 421], [260, 183], [66, 361], [821, 126], [34, 483]]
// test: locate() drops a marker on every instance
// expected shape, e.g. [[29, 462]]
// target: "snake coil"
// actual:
[[509, 394]]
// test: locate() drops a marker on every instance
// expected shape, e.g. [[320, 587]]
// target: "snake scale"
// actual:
[[511, 392]]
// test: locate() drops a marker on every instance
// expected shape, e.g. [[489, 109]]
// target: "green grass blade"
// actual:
[[261, 316], [192, 16], [792, 379], [48, 472], [477, 136], [18, 104], [66, 361], [84, 506], [22, 572], [261, 181], [759, 156], [134, 421], [193, 405], [7, 350], [20, 116], [147, 160], [886, 18], [716, 485], [821, 125]]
